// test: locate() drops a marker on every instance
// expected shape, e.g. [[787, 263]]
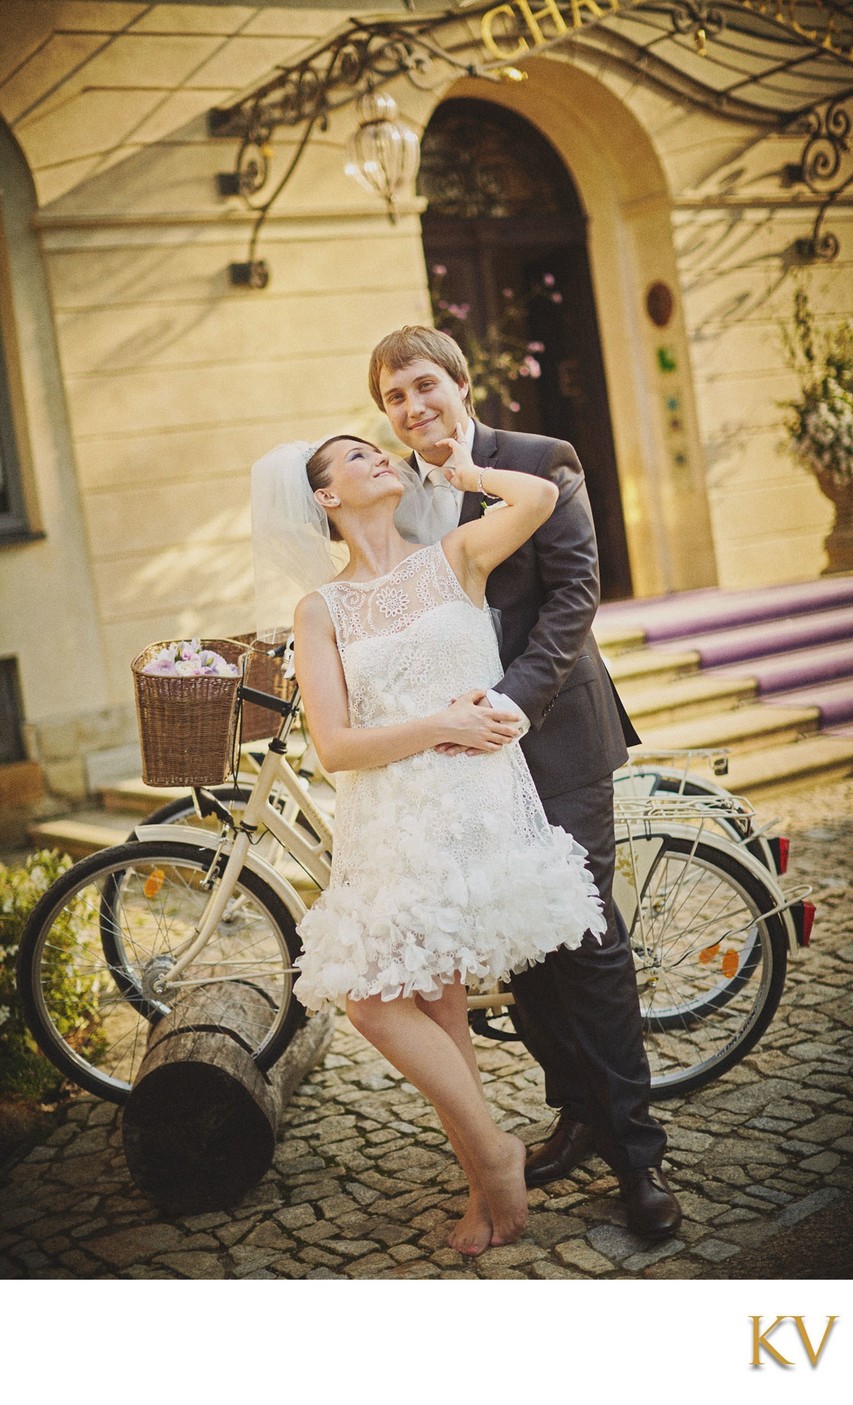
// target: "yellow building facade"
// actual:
[[142, 382]]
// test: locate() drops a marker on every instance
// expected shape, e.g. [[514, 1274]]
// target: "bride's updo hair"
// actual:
[[319, 469]]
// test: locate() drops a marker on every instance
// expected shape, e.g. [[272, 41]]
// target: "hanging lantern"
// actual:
[[382, 154]]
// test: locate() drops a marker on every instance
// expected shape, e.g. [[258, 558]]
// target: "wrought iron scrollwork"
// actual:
[[371, 54], [826, 170], [699, 19], [365, 56]]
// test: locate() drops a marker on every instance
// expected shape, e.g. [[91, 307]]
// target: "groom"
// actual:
[[577, 1011]]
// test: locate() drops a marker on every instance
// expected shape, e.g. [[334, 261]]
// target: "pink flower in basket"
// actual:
[[187, 659], [161, 665]]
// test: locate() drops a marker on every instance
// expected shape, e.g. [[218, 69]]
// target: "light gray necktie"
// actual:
[[445, 504]]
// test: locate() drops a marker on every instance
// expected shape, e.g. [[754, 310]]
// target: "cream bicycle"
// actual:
[[124, 934]]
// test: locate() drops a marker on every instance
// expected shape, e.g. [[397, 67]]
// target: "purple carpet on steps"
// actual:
[[679, 616], [798, 668], [769, 637], [835, 701], [795, 641]]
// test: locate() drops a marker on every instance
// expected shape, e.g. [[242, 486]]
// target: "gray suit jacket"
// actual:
[[547, 593]]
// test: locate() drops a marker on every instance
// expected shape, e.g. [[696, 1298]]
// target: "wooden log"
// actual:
[[200, 1125]]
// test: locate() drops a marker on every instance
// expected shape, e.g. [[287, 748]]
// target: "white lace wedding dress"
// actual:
[[442, 864]]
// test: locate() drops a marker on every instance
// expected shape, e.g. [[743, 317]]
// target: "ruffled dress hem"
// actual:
[[412, 940]]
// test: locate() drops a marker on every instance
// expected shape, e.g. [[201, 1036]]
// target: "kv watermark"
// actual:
[[794, 1339]]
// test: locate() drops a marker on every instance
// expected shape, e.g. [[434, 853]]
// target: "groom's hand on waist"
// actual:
[[508, 711]]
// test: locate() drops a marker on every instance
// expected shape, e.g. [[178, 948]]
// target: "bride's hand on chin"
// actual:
[[459, 467]]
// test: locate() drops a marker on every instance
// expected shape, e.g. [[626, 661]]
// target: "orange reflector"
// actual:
[[730, 964], [154, 883], [708, 954]]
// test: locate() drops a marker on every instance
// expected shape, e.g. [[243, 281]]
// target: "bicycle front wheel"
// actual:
[[711, 957], [100, 943]]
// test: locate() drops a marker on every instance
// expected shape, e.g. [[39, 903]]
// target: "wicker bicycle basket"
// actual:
[[267, 675], [187, 725]]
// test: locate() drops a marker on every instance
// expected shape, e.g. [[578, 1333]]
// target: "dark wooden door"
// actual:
[[505, 231]]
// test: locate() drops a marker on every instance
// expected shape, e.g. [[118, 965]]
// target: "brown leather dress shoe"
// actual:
[[569, 1144], [653, 1211]]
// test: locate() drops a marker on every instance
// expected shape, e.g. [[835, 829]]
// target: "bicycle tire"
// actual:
[[710, 963], [88, 1001]]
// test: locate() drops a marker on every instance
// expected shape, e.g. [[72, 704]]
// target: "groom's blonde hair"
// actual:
[[400, 349]]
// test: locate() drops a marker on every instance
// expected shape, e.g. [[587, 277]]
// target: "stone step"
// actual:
[[650, 665], [795, 765], [743, 729], [83, 833], [138, 798], [680, 699], [615, 637]]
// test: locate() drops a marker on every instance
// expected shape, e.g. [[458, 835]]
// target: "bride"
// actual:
[[445, 870]]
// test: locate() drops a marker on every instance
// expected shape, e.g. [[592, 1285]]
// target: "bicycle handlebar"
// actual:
[[268, 700]]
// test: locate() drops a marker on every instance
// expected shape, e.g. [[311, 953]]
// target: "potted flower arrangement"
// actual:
[[820, 420]]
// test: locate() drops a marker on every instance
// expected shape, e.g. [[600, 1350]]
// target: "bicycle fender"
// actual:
[[718, 842], [201, 839]]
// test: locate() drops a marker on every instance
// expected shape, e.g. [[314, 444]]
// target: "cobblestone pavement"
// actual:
[[362, 1183]]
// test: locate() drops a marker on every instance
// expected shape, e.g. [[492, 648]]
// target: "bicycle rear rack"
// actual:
[[633, 809]]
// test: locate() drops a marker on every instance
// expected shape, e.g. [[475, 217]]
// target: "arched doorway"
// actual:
[[504, 239]]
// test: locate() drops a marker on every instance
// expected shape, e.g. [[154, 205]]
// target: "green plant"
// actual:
[[820, 420], [23, 1069], [503, 355]]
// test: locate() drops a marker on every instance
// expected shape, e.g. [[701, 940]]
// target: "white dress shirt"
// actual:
[[499, 701]]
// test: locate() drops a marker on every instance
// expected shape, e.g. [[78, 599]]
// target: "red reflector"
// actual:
[[803, 914], [782, 861]]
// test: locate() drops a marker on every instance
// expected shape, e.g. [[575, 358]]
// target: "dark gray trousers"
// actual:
[[578, 1011]]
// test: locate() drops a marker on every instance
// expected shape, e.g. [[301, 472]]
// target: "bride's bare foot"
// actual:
[[503, 1183], [473, 1233]]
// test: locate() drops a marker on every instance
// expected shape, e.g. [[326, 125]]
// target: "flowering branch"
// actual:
[[503, 355]]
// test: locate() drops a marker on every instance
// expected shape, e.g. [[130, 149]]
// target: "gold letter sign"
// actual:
[[548, 20]]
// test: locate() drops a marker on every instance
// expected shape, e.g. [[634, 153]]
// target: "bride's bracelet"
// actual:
[[480, 489]]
